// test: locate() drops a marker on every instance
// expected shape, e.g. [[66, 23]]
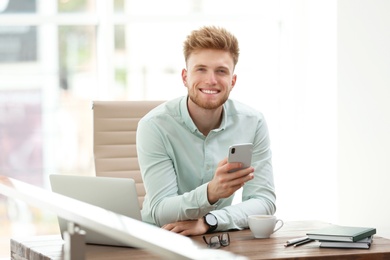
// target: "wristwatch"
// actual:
[[211, 221]]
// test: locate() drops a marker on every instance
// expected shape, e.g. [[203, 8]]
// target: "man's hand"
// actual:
[[188, 227], [224, 183]]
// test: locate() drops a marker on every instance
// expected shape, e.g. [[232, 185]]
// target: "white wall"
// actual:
[[303, 128], [364, 113]]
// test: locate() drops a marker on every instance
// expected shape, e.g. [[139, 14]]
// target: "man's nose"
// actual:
[[211, 78]]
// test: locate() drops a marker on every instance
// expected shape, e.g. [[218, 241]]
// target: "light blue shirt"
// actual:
[[177, 161]]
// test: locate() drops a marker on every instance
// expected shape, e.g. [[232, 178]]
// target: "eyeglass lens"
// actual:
[[224, 239], [214, 242]]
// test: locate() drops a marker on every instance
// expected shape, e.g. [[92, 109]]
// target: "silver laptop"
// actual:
[[114, 194]]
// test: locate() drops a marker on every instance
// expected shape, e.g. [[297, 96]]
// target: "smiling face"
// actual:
[[209, 77]]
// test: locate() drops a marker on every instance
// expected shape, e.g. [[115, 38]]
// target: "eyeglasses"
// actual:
[[217, 241]]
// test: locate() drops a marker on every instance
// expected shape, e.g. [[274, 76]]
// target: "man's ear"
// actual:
[[184, 76], [234, 79]]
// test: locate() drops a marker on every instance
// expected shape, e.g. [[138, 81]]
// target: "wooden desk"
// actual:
[[242, 243]]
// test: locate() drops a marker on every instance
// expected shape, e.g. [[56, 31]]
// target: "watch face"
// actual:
[[211, 220]]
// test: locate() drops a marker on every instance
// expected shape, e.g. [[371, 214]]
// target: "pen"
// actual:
[[303, 242], [295, 240]]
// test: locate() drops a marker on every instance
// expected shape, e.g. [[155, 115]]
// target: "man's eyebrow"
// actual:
[[223, 67], [205, 66], [200, 66]]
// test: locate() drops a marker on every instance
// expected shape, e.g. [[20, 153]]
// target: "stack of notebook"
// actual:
[[344, 237]]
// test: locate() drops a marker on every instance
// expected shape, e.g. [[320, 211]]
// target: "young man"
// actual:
[[183, 145]]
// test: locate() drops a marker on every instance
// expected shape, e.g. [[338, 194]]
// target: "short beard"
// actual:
[[208, 105]]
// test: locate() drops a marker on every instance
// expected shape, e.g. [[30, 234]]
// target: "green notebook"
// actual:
[[341, 233], [365, 243]]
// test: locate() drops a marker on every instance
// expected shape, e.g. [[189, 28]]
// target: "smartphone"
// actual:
[[241, 153]]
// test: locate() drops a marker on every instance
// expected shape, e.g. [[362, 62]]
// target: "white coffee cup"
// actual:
[[262, 226]]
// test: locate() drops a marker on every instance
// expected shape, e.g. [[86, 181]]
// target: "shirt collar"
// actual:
[[188, 120]]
